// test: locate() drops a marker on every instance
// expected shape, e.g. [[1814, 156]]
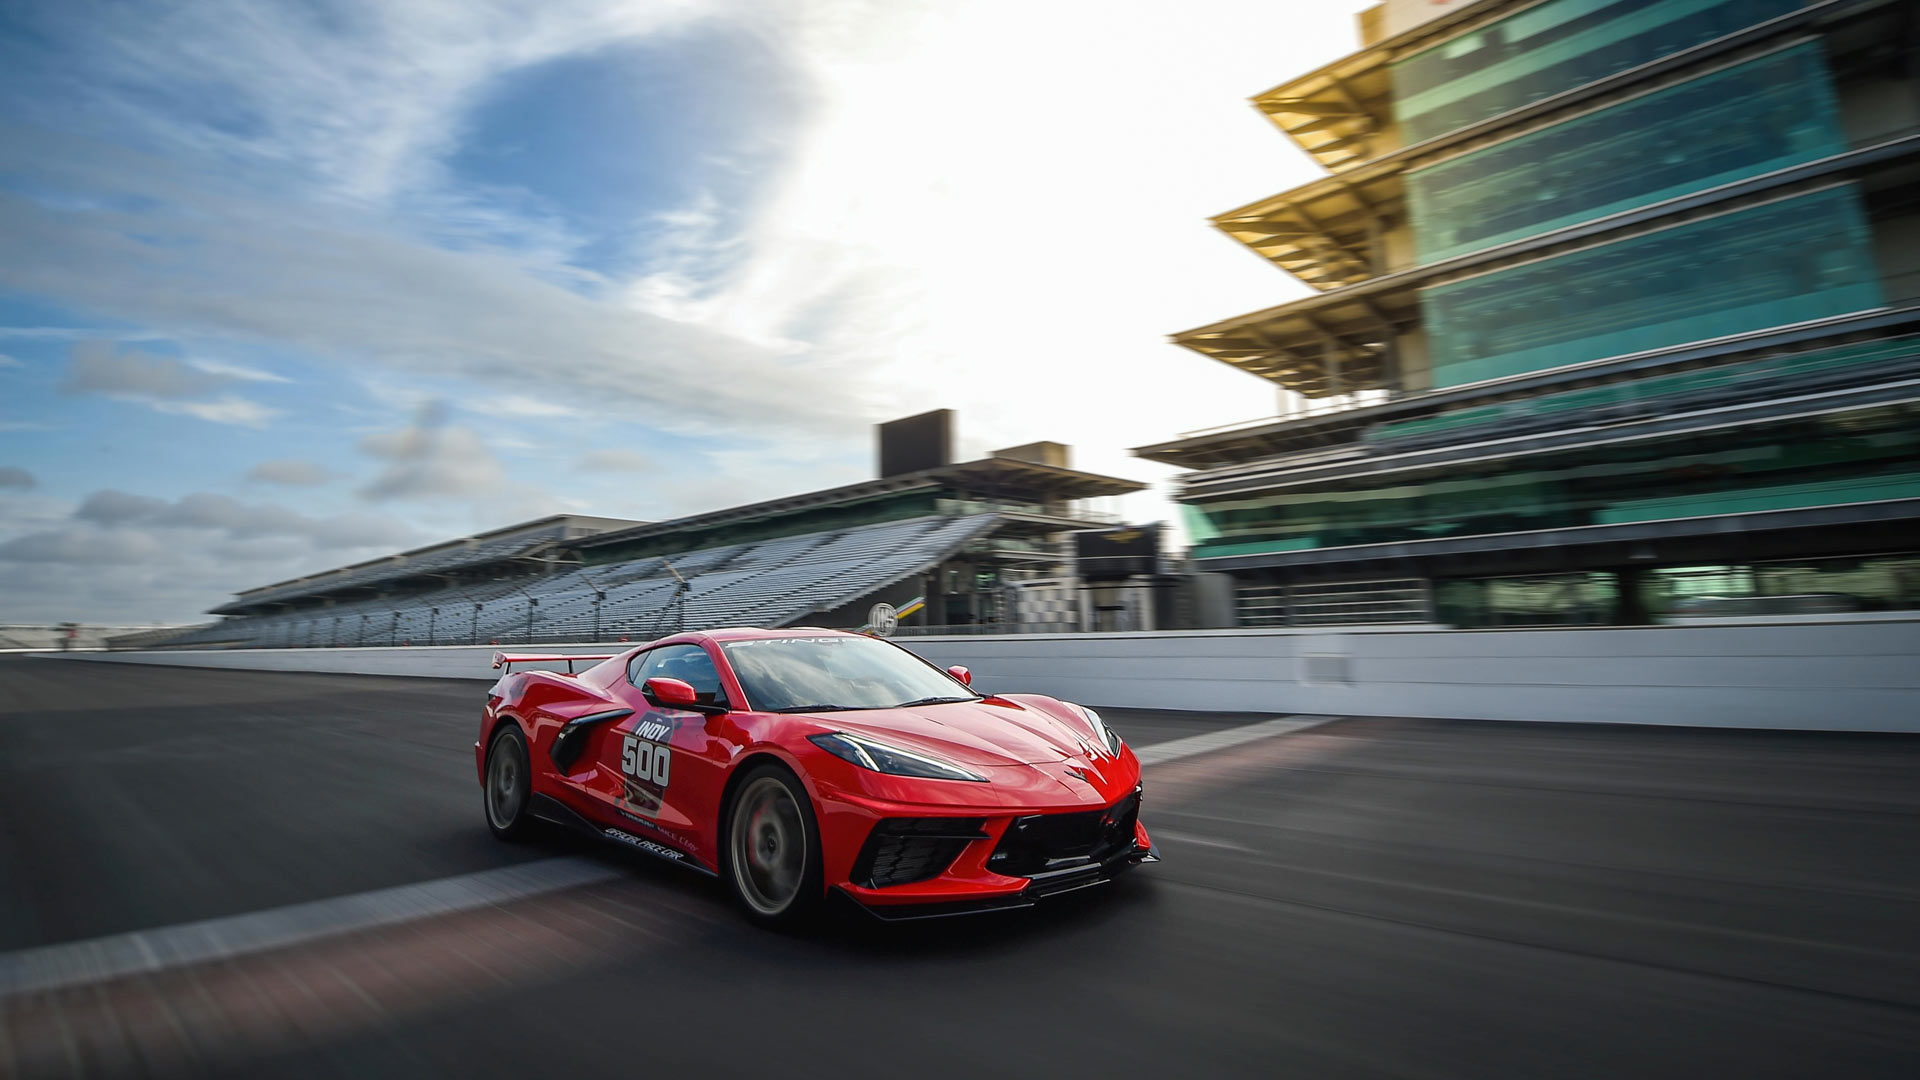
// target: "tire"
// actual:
[[772, 848], [506, 795]]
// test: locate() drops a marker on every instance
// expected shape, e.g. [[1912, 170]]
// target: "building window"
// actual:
[[1790, 587], [1863, 455], [1553, 47], [1797, 259], [1766, 114], [1576, 599], [1724, 384]]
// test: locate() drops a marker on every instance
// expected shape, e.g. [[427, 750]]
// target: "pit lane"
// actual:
[[1367, 897]]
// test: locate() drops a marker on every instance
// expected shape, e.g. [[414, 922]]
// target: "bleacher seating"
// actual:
[[774, 582]]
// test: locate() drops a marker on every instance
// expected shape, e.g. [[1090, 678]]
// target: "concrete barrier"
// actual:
[[437, 661], [1838, 676]]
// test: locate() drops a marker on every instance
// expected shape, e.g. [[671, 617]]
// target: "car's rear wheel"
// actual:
[[509, 784], [773, 847]]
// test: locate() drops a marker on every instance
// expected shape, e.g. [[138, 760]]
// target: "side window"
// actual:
[[688, 663], [637, 672]]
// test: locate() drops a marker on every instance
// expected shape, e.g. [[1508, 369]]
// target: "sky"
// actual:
[[285, 286]]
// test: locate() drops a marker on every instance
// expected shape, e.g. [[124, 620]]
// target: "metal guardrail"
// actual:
[[985, 629]]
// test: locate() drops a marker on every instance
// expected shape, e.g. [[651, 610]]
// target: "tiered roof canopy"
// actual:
[[988, 478]]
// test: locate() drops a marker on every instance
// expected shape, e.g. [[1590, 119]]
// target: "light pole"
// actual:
[[433, 616], [532, 602], [361, 637], [679, 598], [599, 596], [333, 638], [475, 638], [393, 631]]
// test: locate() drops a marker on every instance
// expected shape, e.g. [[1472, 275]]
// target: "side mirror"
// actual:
[[958, 672], [670, 693]]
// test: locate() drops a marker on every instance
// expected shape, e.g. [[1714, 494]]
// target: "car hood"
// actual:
[[991, 731]]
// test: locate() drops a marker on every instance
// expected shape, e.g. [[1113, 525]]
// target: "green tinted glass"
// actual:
[[1860, 456], [1763, 115], [1552, 47], [1795, 373], [1803, 258]]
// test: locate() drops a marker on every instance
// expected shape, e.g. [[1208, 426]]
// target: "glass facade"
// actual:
[[1574, 599], [1858, 456], [1683, 594], [1787, 587], [1766, 114], [1743, 381], [1552, 47], [1789, 261]]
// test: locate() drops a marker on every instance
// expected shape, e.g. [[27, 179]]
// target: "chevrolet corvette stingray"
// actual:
[[794, 764]]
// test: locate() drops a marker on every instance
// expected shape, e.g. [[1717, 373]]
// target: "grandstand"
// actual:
[[963, 535]]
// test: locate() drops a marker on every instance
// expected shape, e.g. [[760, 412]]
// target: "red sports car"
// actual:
[[792, 763]]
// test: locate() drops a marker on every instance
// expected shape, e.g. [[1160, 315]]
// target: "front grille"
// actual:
[[904, 850], [1043, 842]]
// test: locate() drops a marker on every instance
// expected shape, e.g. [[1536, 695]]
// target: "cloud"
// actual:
[[266, 271], [75, 333], [615, 461], [96, 367], [208, 511], [520, 407], [293, 188], [15, 477], [8, 361], [159, 382], [120, 556], [431, 459], [82, 547], [111, 507], [289, 473], [238, 371], [205, 510], [359, 98], [227, 409]]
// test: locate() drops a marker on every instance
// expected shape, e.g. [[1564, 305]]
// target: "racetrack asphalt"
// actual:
[[1369, 897]]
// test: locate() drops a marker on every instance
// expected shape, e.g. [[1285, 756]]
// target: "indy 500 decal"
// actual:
[[646, 760]]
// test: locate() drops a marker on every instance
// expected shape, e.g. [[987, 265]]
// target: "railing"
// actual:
[[1312, 407], [985, 629], [963, 507], [1400, 600]]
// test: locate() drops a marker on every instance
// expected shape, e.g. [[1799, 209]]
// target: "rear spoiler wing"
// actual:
[[507, 660]]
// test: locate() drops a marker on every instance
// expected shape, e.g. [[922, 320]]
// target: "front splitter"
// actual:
[[1040, 887]]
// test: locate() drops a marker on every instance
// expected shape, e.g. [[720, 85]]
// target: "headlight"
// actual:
[[882, 758], [1107, 734]]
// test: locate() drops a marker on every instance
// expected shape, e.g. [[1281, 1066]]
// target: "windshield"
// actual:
[[814, 673]]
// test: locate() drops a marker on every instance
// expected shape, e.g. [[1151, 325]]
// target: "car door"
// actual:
[[660, 770]]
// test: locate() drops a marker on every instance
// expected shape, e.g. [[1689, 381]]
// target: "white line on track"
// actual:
[[1161, 753], [50, 967]]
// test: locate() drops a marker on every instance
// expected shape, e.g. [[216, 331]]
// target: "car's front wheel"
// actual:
[[773, 847], [509, 784]]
